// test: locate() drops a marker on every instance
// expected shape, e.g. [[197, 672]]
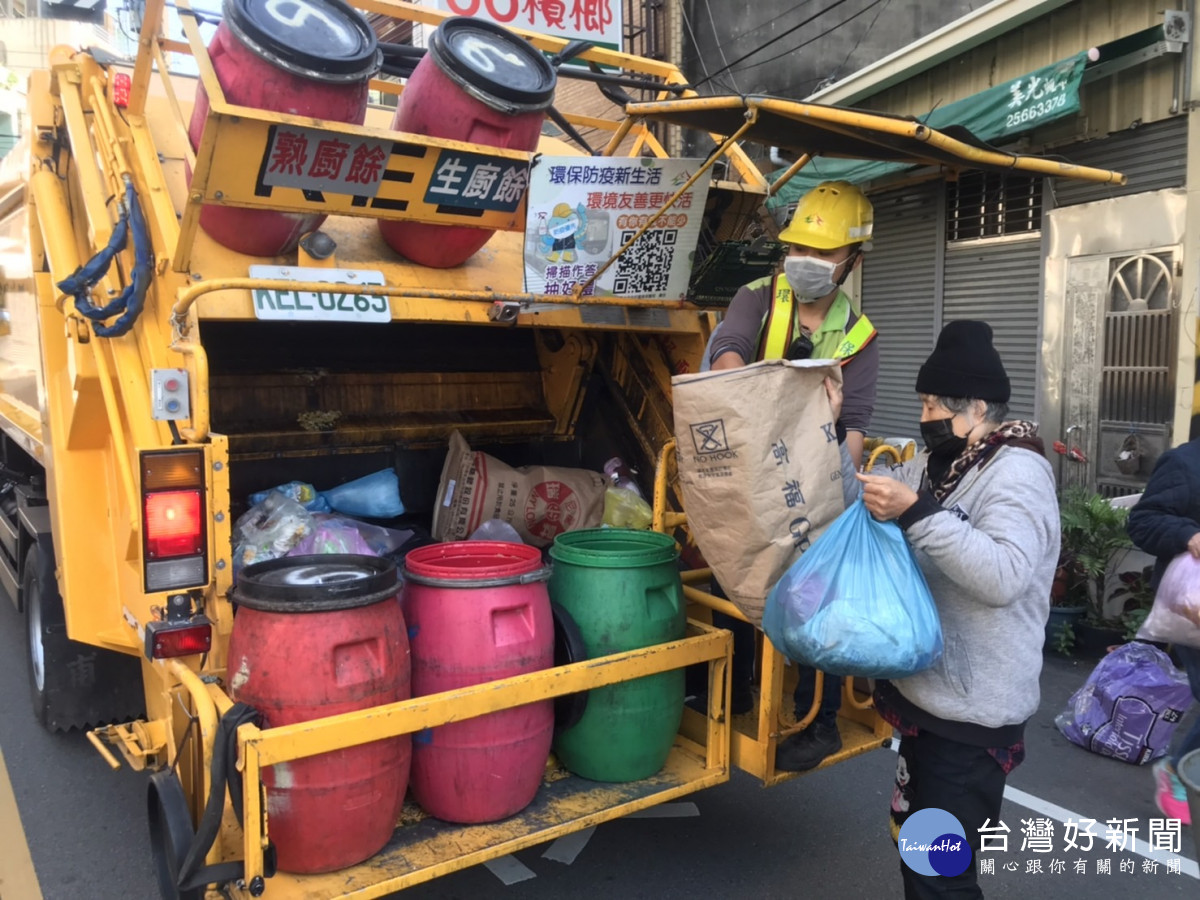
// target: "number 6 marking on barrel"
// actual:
[[478, 51], [300, 14]]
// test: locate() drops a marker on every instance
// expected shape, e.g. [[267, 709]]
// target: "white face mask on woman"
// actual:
[[810, 277]]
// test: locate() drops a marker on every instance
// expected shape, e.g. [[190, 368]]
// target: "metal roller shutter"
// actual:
[[1000, 282], [899, 285], [1152, 157]]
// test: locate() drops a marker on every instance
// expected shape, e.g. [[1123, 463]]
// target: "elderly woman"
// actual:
[[980, 511]]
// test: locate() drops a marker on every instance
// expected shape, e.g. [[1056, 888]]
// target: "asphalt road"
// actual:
[[822, 836]]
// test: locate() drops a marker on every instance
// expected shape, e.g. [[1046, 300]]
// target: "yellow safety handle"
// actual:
[[103, 750], [875, 454]]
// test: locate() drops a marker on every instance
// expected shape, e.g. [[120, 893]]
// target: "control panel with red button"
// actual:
[[169, 394]]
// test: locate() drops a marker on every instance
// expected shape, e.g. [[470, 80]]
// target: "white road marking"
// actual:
[[1140, 847], [1061, 814], [17, 875], [510, 870], [566, 849], [667, 811]]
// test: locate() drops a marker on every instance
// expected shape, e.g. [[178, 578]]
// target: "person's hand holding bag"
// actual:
[[886, 498]]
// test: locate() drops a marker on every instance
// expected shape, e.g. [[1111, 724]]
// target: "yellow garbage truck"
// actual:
[[203, 298]]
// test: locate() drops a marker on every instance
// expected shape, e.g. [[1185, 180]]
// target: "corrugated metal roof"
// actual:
[[1143, 93], [946, 43]]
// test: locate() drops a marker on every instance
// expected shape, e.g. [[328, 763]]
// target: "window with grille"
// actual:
[[983, 205]]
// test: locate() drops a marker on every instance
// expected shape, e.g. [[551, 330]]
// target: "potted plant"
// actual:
[[1068, 601], [1092, 531], [1137, 600]]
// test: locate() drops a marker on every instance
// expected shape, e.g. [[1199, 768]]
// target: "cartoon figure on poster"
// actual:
[[580, 210], [565, 227]]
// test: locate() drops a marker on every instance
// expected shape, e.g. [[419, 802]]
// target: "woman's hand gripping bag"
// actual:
[[856, 603]]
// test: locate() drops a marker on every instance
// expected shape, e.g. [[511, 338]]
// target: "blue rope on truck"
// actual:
[[132, 299]]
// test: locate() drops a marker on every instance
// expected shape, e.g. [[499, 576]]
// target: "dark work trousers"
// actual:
[[743, 669], [965, 781], [831, 695], [743, 650]]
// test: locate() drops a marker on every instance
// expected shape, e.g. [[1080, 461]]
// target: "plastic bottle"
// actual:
[[496, 530], [621, 476]]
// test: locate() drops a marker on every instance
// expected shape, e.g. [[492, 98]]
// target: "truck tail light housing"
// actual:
[[167, 641], [174, 523], [122, 85]]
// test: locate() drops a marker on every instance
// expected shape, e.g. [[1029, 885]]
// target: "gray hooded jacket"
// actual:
[[989, 558]]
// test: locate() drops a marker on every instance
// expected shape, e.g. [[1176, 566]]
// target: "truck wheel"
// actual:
[[71, 684]]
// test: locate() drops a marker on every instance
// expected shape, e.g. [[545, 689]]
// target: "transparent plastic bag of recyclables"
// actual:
[[856, 603]]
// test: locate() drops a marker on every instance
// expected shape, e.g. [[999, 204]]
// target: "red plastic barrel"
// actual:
[[478, 611], [318, 636], [304, 57], [478, 83]]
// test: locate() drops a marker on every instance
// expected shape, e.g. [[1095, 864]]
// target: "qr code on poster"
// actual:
[[645, 268]]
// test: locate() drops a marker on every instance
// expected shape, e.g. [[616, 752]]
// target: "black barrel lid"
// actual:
[[320, 583], [505, 71], [323, 39]]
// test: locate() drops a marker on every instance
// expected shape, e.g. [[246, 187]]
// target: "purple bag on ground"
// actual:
[[1129, 706]]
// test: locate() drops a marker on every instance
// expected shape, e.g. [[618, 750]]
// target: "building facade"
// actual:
[[1091, 290]]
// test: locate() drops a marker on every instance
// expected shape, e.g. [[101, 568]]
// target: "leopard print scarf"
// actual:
[[1015, 432]]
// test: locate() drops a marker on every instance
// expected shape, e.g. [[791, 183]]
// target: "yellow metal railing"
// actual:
[[230, 126], [773, 725], [260, 748]]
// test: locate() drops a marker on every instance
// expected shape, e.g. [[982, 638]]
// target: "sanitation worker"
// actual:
[[802, 312]]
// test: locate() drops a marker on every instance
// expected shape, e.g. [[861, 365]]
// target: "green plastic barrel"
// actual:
[[622, 588]]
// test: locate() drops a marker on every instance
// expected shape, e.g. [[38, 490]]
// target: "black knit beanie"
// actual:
[[965, 364]]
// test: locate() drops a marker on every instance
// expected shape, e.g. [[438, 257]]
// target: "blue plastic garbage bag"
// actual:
[[300, 491], [856, 603], [376, 496]]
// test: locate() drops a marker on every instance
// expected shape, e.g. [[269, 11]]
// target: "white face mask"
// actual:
[[811, 278]]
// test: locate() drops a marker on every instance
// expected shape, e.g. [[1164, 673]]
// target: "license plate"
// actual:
[[334, 305]]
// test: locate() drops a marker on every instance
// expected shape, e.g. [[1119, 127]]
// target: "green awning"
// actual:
[[1003, 111]]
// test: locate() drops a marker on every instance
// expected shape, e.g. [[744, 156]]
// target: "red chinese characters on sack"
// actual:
[[551, 508]]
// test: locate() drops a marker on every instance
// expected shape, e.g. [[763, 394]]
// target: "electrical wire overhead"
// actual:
[[815, 38], [774, 40]]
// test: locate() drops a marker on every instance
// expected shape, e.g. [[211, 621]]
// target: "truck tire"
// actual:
[[71, 685]]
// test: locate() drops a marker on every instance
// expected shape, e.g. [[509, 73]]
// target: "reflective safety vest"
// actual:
[[779, 328]]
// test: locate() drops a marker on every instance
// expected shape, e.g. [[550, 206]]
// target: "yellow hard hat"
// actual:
[[833, 214]]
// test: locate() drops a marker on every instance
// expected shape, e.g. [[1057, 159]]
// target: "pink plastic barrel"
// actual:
[[478, 611], [478, 83], [318, 636], [304, 57]]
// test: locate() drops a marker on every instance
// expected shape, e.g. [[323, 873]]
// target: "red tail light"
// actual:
[[174, 520], [122, 84], [173, 524], [166, 641]]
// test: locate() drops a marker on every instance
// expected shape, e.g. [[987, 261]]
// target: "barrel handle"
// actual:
[[660, 602], [542, 574]]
